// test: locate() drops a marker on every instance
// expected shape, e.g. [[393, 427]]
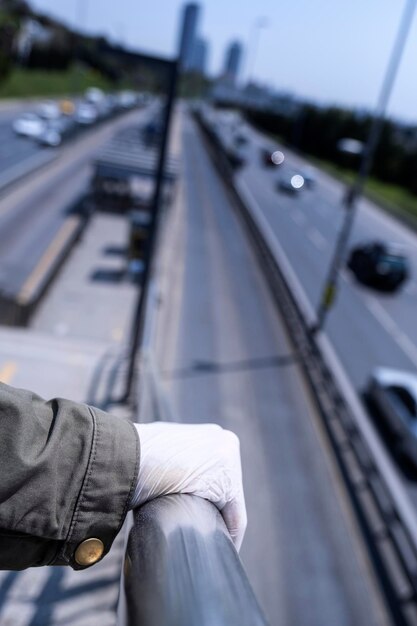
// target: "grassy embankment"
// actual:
[[24, 83], [393, 198]]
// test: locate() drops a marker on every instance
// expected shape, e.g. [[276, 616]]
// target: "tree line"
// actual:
[[317, 131], [58, 51]]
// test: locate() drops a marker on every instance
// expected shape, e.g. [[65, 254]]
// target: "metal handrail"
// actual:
[[181, 568]]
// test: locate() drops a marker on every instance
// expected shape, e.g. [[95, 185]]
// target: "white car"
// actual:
[[49, 110], [50, 138], [29, 125], [393, 395], [127, 99], [94, 95], [86, 114]]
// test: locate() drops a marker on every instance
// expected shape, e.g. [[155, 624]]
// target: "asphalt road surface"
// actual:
[[367, 328], [33, 213], [223, 357], [14, 149]]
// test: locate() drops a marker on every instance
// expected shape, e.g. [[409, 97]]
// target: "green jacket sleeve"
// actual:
[[67, 473]]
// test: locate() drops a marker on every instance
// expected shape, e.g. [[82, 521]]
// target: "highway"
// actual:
[[367, 328], [14, 149], [223, 356], [33, 214]]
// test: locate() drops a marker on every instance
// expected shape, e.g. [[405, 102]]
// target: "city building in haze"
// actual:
[[188, 35], [199, 62], [233, 61]]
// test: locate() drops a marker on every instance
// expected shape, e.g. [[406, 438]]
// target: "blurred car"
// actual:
[[272, 157], [378, 264], [392, 395], [235, 157], [49, 110], [56, 130], [94, 95], [240, 139], [152, 132], [29, 125], [49, 137], [86, 114], [127, 99], [291, 183]]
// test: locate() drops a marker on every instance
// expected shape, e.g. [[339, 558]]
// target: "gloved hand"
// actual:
[[198, 459]]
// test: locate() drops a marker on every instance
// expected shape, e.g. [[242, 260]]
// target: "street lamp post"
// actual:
[[259, 24], [350, 202]]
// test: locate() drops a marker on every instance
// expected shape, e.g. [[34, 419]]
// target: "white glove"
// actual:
[[198, 459]]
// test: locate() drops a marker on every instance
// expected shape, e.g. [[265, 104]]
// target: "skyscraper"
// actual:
[[188, 35], [232, 61], [199, 63]]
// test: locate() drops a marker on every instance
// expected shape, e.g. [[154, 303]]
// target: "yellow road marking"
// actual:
[[39, 271], [7, 372]]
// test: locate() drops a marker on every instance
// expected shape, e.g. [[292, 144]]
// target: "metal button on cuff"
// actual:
[[89, 552]]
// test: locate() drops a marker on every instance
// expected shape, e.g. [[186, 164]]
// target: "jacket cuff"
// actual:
[[107, 488]]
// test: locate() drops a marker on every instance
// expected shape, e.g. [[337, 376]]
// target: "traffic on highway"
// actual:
[[30, 135], [225, 239], [372, 325]]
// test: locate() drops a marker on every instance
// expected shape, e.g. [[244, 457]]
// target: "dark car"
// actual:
[[240, 140], [380, 265], [291, 183], [235, 157], [152, 132], [272, 157], [392, 395]]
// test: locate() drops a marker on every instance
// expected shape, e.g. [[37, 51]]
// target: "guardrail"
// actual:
[[181, 568], [383, 509]]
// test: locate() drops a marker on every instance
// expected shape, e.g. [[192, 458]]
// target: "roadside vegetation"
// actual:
[[22, 83], [393, 198], [316, 132], [40, 56]]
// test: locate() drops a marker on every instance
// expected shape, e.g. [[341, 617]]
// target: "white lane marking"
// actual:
[[298, 217], [408, 346], [346, 276], [317, 239], [381, 315], [391, 327]]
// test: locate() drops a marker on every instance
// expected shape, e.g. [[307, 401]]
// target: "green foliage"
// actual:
[[316, 131], [26, 83], [393, 198], [9, 25]]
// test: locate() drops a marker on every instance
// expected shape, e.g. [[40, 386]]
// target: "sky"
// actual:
[[328, 51]]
